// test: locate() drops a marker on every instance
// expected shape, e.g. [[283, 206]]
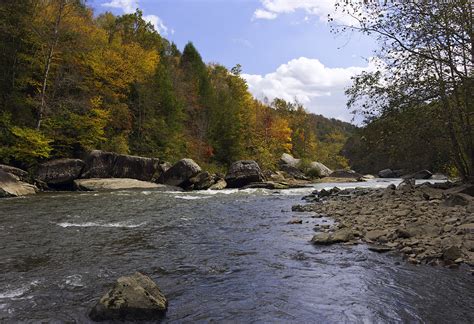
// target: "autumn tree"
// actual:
[[426, 56]]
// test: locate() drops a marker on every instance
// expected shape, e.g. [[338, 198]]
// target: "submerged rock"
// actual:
[[339, 236], [10, 186], [61, 172], [180, 173], [242, 173], [136, 297], [115, 184]]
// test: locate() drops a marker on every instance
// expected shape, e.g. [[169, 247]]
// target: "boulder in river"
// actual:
[[202, 181], [136, 297], [97, 184], [219, 185], [10, 186], [389, 173], [180, 173], [420, 175], [242, 173], [339, 236], [100, 164], [61, 172], [293, 172]]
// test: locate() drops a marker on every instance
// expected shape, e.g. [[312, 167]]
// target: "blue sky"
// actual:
[[285, 47]]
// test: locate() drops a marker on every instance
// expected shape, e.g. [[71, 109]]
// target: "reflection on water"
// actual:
[[227, 257]]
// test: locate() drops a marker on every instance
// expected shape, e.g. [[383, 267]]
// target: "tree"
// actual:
[[427, 56]]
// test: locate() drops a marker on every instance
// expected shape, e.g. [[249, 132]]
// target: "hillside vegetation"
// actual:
[[71, 82]]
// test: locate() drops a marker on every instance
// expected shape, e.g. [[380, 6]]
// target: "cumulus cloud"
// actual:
[[158, 23], [263, 14], [271, 9], [318, 87], [129, 6]]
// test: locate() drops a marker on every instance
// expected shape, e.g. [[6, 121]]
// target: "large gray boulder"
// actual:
[[288, 159], [180, 173], [293, 172], [101, 164], [420, 175], [10, 186], [320, 168], [242, 173], [58, 173], [19, 174], [132, 298]]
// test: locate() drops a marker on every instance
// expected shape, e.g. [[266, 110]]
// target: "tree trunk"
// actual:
[[48, 62]]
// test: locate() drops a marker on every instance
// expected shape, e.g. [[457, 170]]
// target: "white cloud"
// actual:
[[318, 87], [127, 6], [158, 23], [130, 6], [271, 9], [263, 14]]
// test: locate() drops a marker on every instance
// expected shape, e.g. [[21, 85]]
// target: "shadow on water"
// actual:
[[227, 256]]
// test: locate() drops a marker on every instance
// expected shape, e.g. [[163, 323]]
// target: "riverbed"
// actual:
[[219, 256]]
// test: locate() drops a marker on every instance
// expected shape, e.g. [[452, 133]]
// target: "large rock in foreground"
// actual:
[[114, 184], [59, 173], [132, 298], [242, 173], [180, 173], [10, 186], [101, 164]]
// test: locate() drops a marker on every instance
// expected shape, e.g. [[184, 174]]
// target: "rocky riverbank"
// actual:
[[427, 223]]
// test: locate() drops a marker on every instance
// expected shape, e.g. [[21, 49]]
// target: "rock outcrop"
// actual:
[[320, 168], [180, 173], [19, 174], [242, 173], [287, 159], [132, 298], [203, 181], [100, 164], [10, 186], [97, 184], [60, 173]]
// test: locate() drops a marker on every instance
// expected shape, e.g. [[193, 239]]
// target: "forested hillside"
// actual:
[[71, 81]]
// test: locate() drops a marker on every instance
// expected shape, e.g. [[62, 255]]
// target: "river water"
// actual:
[[225, 256]]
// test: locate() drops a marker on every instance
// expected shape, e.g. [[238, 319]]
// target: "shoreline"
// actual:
[[427, 224]]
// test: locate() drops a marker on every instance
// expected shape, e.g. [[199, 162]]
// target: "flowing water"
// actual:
[[225, 256]]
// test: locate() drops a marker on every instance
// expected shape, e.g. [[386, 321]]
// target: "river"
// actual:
[[226, 256]]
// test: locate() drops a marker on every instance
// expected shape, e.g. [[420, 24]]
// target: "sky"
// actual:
[[286, 47]]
